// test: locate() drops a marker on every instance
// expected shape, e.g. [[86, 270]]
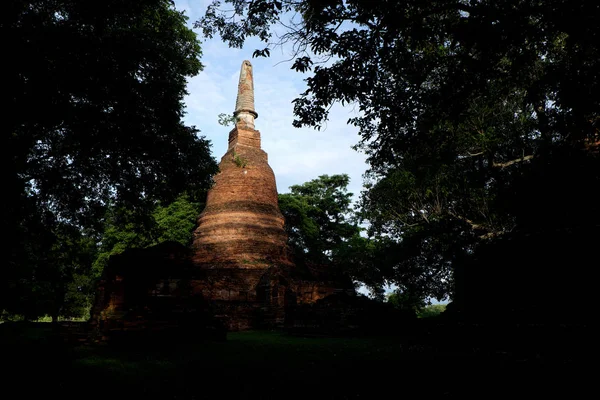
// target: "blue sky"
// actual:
[[296, 155]]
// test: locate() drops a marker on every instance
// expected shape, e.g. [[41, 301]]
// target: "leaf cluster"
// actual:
[[472, 115], [124, 229], [92, 117], [318, 218], [95, 105]]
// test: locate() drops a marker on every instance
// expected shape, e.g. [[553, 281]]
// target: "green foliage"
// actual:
[[106, 124], [323, 232], [414, 302], [58, 282], [226, 119], [93, 117], [406, 300], [432, 310], [240, 161], [479, 119], [177, 220], [10, 317], [124, 229], [319, 217], [65, 278]]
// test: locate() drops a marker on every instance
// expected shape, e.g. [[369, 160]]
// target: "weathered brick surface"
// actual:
[[241, 225], [239, 263], [246, 137], [240, 244]]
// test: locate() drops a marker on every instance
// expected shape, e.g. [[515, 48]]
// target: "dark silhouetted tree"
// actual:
[[124, 230], [92, 116], [480, 122]]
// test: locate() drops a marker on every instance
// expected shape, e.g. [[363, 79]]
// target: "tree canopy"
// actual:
[[124, 230], [96, 100], [479, 118], [319, 217], [93, 116], [324, 234]]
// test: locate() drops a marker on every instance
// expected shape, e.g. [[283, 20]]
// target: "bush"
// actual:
[[432, 310]]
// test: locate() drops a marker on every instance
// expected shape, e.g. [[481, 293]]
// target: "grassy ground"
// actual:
[[274, 365]]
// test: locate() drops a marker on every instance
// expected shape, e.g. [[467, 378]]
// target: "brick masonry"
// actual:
[[239, 268]]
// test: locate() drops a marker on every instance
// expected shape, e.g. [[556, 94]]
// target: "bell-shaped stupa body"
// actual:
[[241, 225]]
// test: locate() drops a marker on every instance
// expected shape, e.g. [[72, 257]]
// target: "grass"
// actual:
[[270, 365], [250, 365]]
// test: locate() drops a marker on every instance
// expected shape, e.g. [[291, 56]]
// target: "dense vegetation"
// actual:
[[480, 122], [479, 118], [92, 114]]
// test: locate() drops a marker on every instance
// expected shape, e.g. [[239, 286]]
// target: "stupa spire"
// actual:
[[241, 225], [244, 105]]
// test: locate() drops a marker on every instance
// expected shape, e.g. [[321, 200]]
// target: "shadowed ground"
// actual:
[[275, 365]]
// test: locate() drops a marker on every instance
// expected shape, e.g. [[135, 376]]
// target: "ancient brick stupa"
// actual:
[[240, 244], [241, 226], [238, 270]]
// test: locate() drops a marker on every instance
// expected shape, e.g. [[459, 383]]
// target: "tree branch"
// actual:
[[490, 233], [476, 154], [511, 162], [400, 217]]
